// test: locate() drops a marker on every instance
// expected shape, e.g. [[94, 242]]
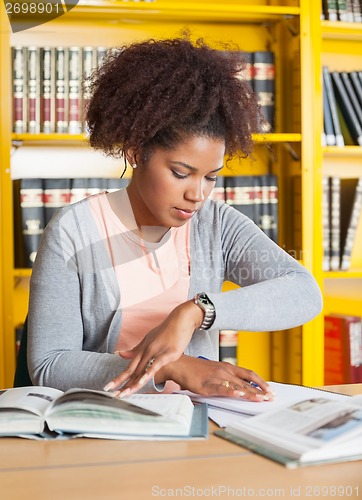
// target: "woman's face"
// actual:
[[173, 184]]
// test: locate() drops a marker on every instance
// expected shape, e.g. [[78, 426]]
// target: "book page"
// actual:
[[32, 399]]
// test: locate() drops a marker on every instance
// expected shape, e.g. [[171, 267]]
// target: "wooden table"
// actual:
[[214, 468]]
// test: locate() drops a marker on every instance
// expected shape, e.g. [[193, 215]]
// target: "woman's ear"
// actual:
[[131, 157]]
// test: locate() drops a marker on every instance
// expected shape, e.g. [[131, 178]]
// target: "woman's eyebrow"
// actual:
[[194, 169]]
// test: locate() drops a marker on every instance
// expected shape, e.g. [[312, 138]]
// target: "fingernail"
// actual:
[[260, 397], [239, 393], [124, 393], [109, 386], [143, 379]]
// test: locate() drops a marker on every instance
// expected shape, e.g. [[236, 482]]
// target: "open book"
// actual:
[[315, 430], [34, 411]]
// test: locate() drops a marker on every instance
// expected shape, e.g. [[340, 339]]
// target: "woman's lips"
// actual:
[[185, 214]]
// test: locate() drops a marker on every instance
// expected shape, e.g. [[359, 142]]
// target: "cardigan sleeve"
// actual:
[[276, 292]]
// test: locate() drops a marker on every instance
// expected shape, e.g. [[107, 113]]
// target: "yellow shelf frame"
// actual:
[[351, 274], [341, 31], [345, 152]]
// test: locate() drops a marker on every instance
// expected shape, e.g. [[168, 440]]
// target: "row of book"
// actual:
[[256, 196], [342, 349], [342, 207], [260, 73], [51, 86], [348, 11], [36, 201], [342, 107]]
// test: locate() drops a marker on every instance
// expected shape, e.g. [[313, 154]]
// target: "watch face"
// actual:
[[203, 298]]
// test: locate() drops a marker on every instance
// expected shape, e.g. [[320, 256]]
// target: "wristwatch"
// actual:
[[203, 301]]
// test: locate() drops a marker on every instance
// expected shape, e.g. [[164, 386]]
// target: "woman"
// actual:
[[126, 289]]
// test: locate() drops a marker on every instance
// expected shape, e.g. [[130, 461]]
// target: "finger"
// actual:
[[235, 387], [124, 376], [127, 354], [254, 380]]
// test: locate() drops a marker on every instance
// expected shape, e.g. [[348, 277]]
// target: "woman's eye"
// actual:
[[211, 179], [179, 176]]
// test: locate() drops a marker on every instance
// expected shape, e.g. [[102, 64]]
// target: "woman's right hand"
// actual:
[[216, 378]]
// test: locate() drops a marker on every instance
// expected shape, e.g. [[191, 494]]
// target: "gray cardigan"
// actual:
[[74, 311]]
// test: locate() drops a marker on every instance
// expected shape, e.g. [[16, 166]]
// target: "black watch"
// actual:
[[203, 301]]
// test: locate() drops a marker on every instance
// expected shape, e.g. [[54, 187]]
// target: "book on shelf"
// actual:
[[330, 136], [56, 195], [357, 85], [46, 413], [47, 90], [326, 224], [342, 349], [75, 90], [264, 87], [351, 208], [228, 344], [330, 10], [347, 110], [61, 90], [335, 222], [331, 98], [19, 82], [33, 90], [32, 217], [314, 430]]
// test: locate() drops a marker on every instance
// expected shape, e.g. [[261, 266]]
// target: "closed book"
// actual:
[[330, 135], [61, 90], [56, 195], [351, 208], [115, 184], [335, 222], [264, 88], [96, 185], [33, 217], [343, 14], [75, 90], [228, 343], [47, 90], [33, 90], [326, 224], [357, 11], [342, 349], [89, 63], [218, 192], [78, 189], [347, 109], [357, 85], [330, 9], [101, 52], [333, 106], [268, 220], [349, 8], [19, 56], [352, 95], [239, 193]]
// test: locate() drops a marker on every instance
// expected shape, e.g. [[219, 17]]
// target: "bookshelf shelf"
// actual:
[[258, 138], [341, 31], [346, 152], [352, 274], [22, 273]]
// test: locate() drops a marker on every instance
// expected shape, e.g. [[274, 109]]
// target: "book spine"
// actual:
[[218, 192], [342, 10], [264, 87], [352, 228], [357, 11], [88, 67], [347, 108], [269, 206], [239, 192], [56, 195], [47, 90], [352, 95], [330, 136], [61, 91], [349, 9], [101, 52], [326, 224], [32, 209], [78, 189], [353, 75], [115, 184], [331, 10], [333, 106], [228, 342], [33, 90], [75, 90], [95, 185], [19, 89], [335, 204]]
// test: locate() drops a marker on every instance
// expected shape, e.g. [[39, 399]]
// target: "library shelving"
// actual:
[[338, 45], [288, 28]]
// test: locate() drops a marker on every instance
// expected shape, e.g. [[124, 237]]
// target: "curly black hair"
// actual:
[[157, 93]]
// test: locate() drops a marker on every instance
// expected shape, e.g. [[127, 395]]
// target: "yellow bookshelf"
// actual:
[[289, 28]]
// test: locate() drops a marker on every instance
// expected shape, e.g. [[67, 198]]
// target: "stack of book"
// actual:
[[342, 107], [342, 206], [342, 349], [348, 11], [51, 87], [256, 196], [36, 201]]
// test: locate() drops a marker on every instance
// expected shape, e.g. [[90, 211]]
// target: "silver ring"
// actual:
[[149, 364]]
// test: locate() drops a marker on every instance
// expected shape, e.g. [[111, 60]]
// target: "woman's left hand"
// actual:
[[162, 345]]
